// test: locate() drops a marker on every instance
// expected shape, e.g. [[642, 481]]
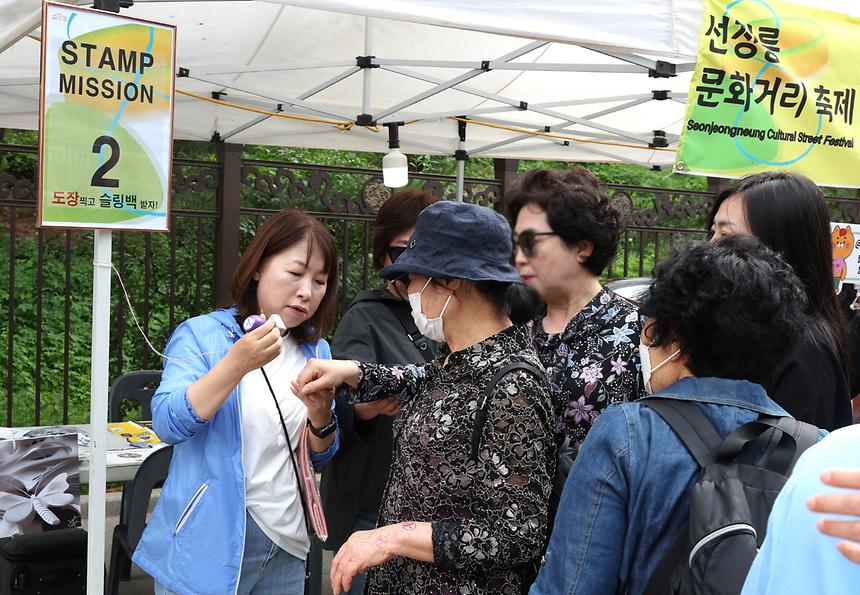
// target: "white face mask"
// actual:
[[429, 327], [647, 370]]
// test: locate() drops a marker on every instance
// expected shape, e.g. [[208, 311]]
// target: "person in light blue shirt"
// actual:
[[796, 557], [844, 503], [719, 316]]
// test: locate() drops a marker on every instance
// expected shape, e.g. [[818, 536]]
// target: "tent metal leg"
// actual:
[[368, 72]]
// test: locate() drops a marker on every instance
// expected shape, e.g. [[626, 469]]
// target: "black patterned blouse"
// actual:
[[489, 513], [593, 362]]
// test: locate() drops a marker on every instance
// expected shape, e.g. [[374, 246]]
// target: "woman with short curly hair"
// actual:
[[719, 317], [566, 233]]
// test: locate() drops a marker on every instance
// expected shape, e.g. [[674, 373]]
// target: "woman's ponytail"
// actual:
[[523, 303]]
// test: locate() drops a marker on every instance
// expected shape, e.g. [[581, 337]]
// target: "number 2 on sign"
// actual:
[[98, 179]]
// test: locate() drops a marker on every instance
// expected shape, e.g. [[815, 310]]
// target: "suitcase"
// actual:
[[52, 562]]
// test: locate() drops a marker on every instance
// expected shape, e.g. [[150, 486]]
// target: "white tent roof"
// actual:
[[578, 67]]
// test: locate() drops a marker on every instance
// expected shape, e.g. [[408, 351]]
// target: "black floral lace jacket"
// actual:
[[593, 362], [488, 513]]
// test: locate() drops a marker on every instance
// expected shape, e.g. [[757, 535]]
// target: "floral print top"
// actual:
[[488, 513], [593, 362]]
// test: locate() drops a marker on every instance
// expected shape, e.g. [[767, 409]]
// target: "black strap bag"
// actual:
[[51, 562], [731, 500]]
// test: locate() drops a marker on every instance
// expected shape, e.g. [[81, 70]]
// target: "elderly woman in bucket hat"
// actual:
[[465, 509]]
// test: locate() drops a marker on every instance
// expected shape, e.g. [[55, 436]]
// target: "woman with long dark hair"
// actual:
[[788, 213]]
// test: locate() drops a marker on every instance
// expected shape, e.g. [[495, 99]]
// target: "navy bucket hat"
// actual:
[[455, 240]]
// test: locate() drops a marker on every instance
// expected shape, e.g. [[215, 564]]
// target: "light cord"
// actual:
[[140, 328]]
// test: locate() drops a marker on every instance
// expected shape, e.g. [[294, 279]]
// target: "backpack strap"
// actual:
[[660, 581], [422, 343], [691, 426], [700, 438], [794, 437], [484, 399]]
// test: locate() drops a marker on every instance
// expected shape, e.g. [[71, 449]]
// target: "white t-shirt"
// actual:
[[271, 494]]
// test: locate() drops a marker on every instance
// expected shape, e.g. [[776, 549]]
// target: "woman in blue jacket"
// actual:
[[230, 517]]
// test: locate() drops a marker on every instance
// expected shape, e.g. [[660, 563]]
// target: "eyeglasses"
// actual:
[[526, 241], [394, 252]]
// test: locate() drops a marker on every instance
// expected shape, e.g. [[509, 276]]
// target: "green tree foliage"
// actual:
[[170, 276]]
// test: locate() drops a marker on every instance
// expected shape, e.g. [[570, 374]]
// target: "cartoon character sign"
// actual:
[[842, 242]]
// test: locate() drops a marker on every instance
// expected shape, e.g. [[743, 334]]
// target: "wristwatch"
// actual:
[[324, 431]]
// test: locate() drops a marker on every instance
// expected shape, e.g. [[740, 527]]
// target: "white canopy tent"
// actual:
[[577, 73], [300, 58]]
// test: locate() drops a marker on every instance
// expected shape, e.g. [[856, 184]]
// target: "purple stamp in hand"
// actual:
[[256, 320]]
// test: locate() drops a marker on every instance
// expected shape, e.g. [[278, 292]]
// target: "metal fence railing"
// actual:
[[216, 207]]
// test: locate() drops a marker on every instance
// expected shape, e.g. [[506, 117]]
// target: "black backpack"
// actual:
[[731, 500]]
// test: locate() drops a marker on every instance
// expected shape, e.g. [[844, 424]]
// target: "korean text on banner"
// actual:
[[775, 87], [106, 129]]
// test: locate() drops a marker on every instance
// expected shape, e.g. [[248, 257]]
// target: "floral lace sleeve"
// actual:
[[513, 481], [376, 381]]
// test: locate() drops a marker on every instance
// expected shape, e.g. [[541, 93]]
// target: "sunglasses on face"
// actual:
[[526, 241], [394, 252]]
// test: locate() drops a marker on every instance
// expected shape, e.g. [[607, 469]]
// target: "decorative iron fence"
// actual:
[[216, 207]]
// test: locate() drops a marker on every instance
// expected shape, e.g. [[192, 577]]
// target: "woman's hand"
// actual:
[[253, 350], [256, 349], [363, 550], [843, 503], [319, 406], [368, 411], [322, 375], [315, 386]]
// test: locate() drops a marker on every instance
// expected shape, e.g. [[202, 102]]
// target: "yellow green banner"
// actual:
[[775, 87], [106, 130]]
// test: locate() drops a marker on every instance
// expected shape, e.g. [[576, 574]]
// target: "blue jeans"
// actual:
[[266, 568], [364, 521]]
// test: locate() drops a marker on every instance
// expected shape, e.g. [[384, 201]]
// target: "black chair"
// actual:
[[133, 386], [135, 505], [137, 387]]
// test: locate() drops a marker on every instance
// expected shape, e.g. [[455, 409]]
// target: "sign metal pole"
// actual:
[[98, 410]]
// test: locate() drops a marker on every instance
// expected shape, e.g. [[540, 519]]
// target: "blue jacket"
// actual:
[[627, 494], [195, 539]]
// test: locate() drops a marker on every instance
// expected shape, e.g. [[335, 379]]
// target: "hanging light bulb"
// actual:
[[395, 171]]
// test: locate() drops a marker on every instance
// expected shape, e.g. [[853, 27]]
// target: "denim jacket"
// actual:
[[626, 496], [195, 538]]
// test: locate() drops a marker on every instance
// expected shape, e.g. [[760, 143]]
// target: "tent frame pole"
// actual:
[[294, 101], [306, 95], [442, 86], [461, 155], [368, 72], [519, 104], [504, 65]]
